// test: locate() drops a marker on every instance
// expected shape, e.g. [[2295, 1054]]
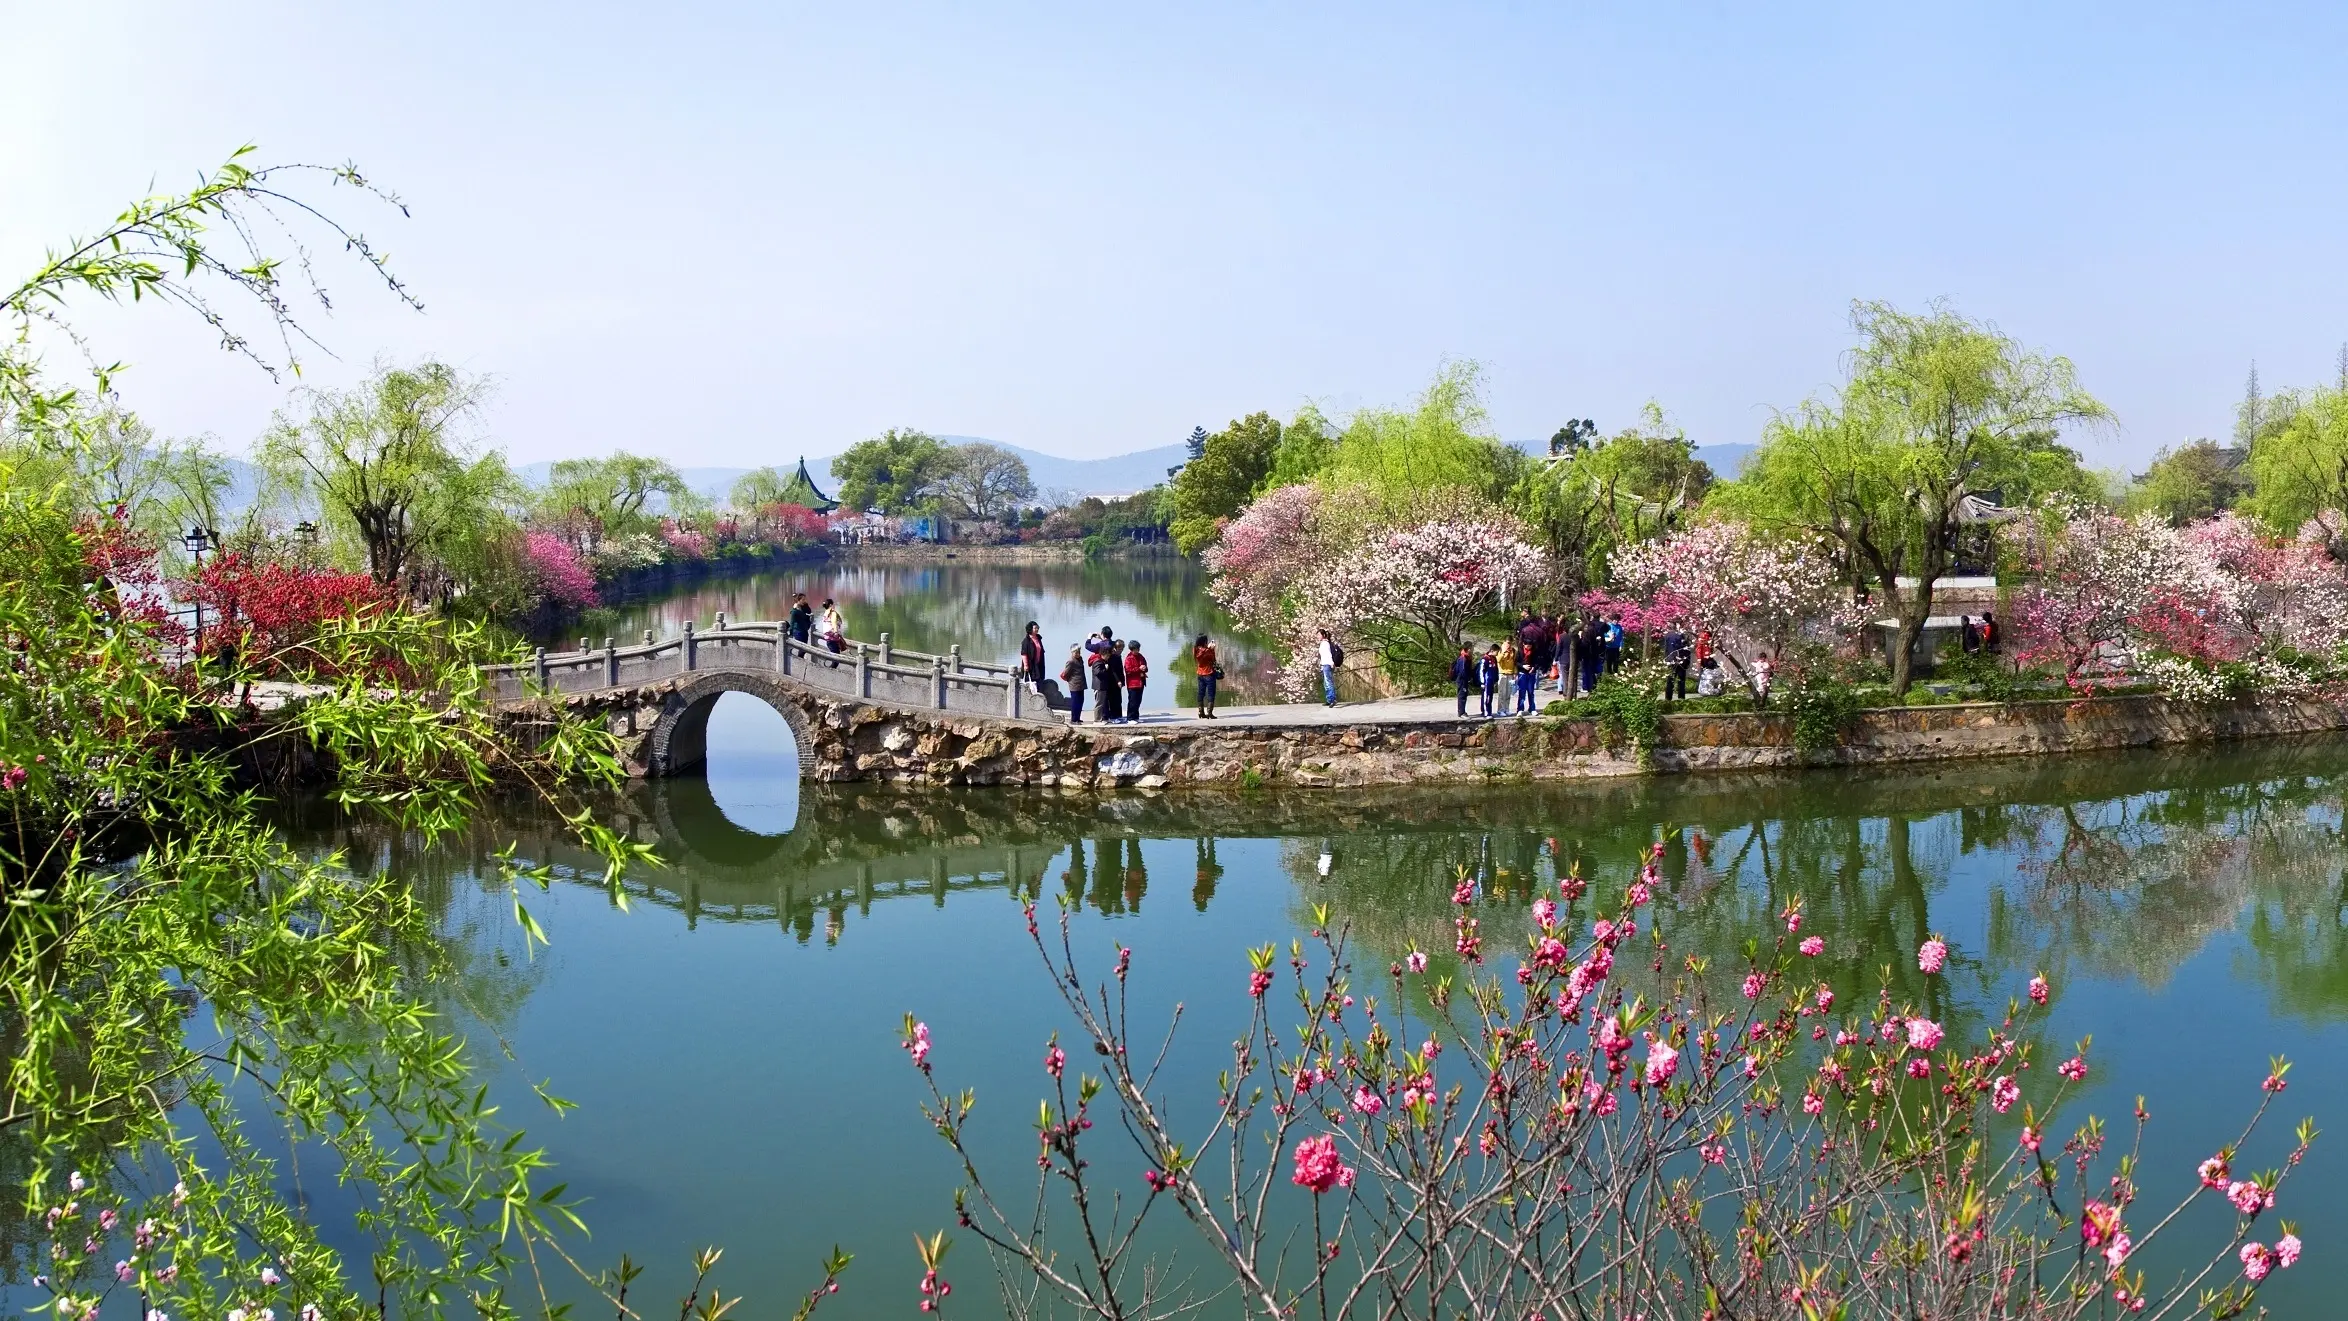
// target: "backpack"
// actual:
[[1336, 653]]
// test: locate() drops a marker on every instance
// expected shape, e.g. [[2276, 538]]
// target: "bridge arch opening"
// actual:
[[745, 736]]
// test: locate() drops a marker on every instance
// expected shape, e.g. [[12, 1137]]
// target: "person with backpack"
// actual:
[[1463, 675], [1072, 679], [1210, 675], [1108, 681], [1991, 636], [1526, 678], [802, 618], [1614, 641], [1137, 673], [1488, 673], [1332, 656]]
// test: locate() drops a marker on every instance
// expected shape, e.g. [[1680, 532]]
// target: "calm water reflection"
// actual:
[[983, 608], [732, 1037]]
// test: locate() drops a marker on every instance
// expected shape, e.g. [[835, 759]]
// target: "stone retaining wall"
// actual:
[[846, 740]]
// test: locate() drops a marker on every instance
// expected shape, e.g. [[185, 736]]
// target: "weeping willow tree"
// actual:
[[1936, 409], [183, 990]]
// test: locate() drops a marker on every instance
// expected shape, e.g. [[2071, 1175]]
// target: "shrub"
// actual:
[[1588, 1137], [1822, 709]]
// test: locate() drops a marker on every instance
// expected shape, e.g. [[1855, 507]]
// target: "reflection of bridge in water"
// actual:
[[857, 846]]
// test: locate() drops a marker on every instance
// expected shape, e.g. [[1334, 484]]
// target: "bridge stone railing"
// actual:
[[871, 671]]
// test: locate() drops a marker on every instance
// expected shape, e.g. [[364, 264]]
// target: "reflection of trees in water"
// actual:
[[2120, 866]]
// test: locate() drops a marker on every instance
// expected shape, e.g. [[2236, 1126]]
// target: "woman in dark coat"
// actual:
[[1031, 654]]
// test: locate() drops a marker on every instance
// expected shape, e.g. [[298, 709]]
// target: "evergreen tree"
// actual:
[[2252, 414], [1198, 435]]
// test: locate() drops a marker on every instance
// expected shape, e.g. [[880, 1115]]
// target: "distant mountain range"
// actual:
[[1120, 474]]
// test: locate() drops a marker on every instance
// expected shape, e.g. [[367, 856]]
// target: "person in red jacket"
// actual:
[[1137, 673]]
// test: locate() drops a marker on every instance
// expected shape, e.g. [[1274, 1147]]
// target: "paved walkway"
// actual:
[[1411, 710]]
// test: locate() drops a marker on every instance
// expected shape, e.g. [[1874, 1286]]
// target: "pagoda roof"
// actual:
[[802, 490]]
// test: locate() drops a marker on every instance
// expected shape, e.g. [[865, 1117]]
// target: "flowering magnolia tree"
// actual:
[[1610, 1128], [1752, 592]]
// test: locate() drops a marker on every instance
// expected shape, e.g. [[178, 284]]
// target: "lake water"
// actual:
[[984, 609], [732, 1038]]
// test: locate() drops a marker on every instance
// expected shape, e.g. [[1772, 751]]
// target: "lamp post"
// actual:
[[198, 540]]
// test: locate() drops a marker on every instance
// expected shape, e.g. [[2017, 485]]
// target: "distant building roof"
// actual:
[[802, 490]]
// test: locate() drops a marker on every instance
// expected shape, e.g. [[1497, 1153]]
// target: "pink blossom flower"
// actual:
[[2098, 1223], [1367, 1101], [1919, 1067], [1545, 912], [2214, 1172], [1430, 1048], [1055, 1059], [2031, 1137], [269, 1276], [1813, 946], [2074, 1069], [1753, 986], [1662, 1063], [2257, 1260], [1416, 960], [1932, 955], [2248, 1197], [2287, 1251], [2118, 1249], [1260, 981], [1813, 1104], [917, 1045], [1793, 921], [125, 1272], [1824, 999], [1923, 1034], [2038, 990], [1318, 1166], [2004, 1093], [109, 1218]]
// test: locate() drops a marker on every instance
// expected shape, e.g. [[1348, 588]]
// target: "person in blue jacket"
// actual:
[[1463, 675], [1488, 672]]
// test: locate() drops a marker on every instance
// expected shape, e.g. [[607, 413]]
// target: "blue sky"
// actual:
[[730, 234]]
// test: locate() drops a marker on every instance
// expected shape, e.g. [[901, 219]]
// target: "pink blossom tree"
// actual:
[[1263, 555], [2110, 591], [1754, 593], [1411, 592], [2286, 593], [557, 571]]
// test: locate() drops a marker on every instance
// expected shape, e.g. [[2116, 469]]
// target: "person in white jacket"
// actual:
[[1330, 657]]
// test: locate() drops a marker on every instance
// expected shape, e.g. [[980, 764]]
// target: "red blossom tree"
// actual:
[[263, 613]]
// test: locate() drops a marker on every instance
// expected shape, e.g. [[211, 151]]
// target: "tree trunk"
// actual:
[[1911, 612]]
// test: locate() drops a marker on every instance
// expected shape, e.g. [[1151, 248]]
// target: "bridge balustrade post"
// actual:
[[1011, 702], [888, 652], [585, 646], [648, 639], [692, 646], [721, 621], [863, 672], [937, 679], [783, 647], [954, 657], [539, 659], [611, 664]]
